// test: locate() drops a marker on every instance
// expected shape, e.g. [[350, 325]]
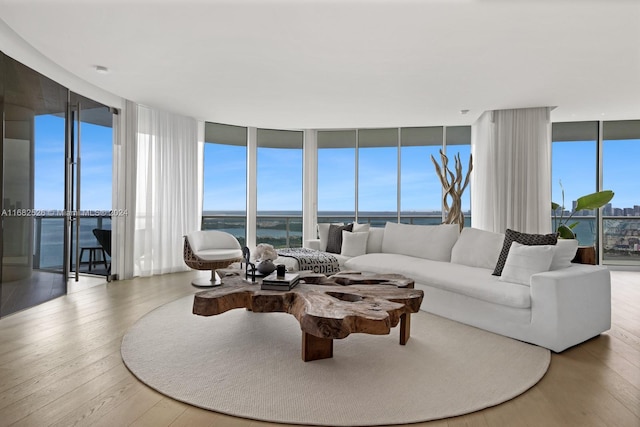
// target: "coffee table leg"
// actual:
[[405, 328], [314, 348]]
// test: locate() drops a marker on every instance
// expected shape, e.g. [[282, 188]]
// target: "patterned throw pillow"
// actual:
[[511, 236], [334, 240]]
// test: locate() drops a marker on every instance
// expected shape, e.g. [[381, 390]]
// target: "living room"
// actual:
[[320, 103]]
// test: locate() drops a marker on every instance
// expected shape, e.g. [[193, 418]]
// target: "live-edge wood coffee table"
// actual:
[[327, 308]]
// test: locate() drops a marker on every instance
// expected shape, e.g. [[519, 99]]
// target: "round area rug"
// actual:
[[249, 365]]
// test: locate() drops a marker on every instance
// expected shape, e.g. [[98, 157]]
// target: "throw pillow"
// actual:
[[477, 248], [354, 243], [334, 240], [432, 242], [511, 236], [565, 252], [524, 261], [323, 233], [374, 241], [358, 228]]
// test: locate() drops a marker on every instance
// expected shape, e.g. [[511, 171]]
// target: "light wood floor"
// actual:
[[60, 365]]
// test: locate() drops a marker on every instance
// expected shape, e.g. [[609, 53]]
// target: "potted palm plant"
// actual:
[[591, 201]]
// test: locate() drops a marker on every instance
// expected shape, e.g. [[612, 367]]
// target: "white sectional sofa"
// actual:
[[562, 305]]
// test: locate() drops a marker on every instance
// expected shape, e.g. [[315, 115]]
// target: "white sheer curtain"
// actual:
[[167, 198], [124, 194], [511, 177]]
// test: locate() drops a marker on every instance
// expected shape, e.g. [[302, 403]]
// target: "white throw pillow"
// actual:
[[524, 261], [477, 248], [323, 233], [565, 252], [374, 242], [354, 244], [358, 228], [432, 242]]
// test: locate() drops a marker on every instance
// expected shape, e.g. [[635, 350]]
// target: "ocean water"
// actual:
[[51, 250]]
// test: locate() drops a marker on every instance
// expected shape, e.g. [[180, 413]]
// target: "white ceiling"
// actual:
[[351, 63]]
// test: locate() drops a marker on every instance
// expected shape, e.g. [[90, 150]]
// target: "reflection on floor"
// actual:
[[20, 294], [40, 287], [84, 282]]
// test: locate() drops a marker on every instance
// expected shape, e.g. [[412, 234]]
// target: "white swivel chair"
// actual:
[[210, 250]]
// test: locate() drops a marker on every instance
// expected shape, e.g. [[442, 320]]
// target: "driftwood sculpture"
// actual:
[[453, 187]]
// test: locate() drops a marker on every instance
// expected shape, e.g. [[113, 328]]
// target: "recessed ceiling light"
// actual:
[[101, 69]]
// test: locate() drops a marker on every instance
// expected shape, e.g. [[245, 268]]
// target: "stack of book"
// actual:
[[273, 282]]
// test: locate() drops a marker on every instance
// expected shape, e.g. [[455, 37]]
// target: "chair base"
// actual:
[[208, 283]]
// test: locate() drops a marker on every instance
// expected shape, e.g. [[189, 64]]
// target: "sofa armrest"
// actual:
[[312, 244], [572, 304]]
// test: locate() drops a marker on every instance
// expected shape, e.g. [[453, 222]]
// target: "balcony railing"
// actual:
[[621, 240], [48, 236], [621, 235], [285, 231]]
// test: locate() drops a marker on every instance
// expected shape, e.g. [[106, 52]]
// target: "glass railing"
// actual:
[[235, 224], [585, 230], [285, 231], [280, 231], [48, 236], [621, 240]]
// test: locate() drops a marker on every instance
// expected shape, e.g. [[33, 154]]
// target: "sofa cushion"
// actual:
[[212, 239], [511, 236], [473, 282], [360, 228], [524, 261], [334, 240], [354, 244], [477, 248], [323, 233], [432, 242], [374, 242], [565, 252]]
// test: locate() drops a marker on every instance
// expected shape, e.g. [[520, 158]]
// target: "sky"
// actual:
[[96, 164], [575, 165], [280, 174]]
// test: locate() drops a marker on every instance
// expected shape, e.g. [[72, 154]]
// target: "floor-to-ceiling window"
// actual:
[[377, 176], [420, 187], [396, 177], [91, 151], [458, 143], [574, 168], [621, 217], [279, 188], [336, 175], [225, 180]]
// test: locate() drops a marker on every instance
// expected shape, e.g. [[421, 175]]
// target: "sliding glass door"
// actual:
[[88, 186]]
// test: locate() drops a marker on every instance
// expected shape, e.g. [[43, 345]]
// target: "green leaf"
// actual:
[[572, 226], [594, 200], [565, 232], [554, 206]]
